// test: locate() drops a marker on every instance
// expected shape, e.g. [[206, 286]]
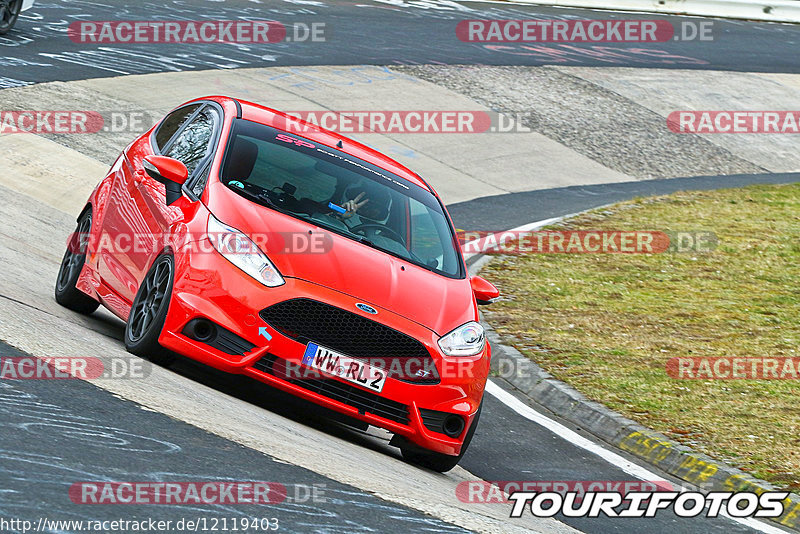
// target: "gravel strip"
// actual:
[[593, 121]]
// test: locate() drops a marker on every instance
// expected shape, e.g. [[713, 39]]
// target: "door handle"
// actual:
[[138, 178]]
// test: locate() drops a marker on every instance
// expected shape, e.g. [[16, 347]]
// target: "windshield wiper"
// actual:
[[365, 241]]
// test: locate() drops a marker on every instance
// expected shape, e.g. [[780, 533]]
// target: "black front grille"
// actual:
[[346, 332], [363, 401]]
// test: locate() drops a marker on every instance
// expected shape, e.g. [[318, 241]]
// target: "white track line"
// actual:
[[570, 435], [524, 228], [609, 456]]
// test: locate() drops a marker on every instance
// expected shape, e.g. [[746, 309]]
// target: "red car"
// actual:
[[305, 260]]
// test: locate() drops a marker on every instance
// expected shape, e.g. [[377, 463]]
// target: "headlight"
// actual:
[[238, 249], [466, 340]]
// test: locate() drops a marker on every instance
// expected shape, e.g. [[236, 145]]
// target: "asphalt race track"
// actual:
[[354, 39], [193, 423]]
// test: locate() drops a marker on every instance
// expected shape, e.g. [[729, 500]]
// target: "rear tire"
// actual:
[[436, 461], [149, 312], [9, 16], [67, 294]]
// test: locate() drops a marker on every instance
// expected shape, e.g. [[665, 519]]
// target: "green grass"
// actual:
[[608, 323]]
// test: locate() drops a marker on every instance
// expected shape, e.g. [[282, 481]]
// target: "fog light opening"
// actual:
[[453, 425], [201, 330]]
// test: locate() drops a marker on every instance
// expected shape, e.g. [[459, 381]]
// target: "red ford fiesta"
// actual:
[[256, 243]]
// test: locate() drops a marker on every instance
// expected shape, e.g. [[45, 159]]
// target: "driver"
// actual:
[[352, 206], [365, 205]]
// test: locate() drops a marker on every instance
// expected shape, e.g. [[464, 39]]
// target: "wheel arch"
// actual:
[[86, 208]]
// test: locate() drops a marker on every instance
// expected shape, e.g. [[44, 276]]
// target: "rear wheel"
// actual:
[[9, 13], [66, 293], [439, 462], [149, 311]]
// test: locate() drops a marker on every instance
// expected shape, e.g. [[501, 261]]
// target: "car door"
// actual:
[[129, 231], [193, 146]]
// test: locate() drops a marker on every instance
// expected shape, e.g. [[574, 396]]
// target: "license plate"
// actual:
[[344, 367]]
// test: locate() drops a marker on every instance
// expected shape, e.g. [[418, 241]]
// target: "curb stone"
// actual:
[[618, 431]]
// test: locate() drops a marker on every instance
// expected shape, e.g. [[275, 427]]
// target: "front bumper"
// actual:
[[208, 286]]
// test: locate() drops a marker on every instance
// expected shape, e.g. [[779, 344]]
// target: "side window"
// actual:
[[171, 123], [191, 145], [202, 179]]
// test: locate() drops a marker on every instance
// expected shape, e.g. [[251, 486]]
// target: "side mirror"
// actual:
[[169, 171], [483, 290]]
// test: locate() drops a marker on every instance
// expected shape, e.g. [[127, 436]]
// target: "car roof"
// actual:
[[278, 119]]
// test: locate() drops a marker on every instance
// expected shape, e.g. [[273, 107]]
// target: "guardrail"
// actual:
[[777, 11]]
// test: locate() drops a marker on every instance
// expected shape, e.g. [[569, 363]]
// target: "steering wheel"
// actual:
[[378, 229]]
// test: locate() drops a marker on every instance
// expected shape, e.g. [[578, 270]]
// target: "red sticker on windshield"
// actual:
[[289, 139]]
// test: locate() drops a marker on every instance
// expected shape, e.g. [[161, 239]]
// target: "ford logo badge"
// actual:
[[366, 308]]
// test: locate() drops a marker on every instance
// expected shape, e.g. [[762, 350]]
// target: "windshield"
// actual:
[[341, 193]]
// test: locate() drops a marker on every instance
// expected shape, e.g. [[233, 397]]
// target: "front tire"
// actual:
[[66, 292], [437, 461], [149, 312], [9, 13]]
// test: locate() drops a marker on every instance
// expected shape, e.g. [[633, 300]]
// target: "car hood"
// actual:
[[302, 250]]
